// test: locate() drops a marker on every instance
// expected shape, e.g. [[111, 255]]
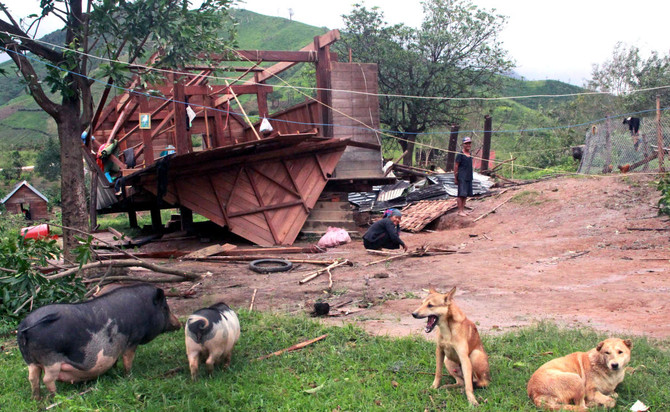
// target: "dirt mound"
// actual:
[[566, 249]]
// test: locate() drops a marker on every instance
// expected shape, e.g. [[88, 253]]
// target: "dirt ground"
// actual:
[[560, 249]]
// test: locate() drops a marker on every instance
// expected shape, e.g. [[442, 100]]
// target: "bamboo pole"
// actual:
[[242, 109]]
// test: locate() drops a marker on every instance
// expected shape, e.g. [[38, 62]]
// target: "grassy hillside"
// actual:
[[516, 87]]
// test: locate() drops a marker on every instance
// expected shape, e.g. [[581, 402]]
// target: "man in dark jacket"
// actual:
[[385, 233], [463, 175]]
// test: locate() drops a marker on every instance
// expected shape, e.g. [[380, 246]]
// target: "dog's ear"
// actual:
[[600, 345], [450, 295], [628, 343]]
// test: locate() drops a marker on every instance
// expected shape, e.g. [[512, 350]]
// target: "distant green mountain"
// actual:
[[517, 87]]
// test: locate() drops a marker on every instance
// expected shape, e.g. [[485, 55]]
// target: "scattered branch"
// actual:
[[492, 210], [333, 265], [294, 347], [128, 263]]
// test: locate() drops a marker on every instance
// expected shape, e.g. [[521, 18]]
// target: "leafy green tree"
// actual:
[[455, 53], [13, 171], [626, 75], [123, 31], [47, 164]]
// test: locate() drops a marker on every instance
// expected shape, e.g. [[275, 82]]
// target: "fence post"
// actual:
[[453, 141], [486, 145], [607, 168], [659, 133]]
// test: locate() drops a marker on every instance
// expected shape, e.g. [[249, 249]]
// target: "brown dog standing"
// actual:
[[459, 346], [581, 379]]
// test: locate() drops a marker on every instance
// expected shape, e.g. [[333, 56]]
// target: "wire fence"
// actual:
[[626, 143]]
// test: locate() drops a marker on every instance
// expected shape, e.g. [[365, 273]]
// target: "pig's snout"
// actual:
[[173, 323]]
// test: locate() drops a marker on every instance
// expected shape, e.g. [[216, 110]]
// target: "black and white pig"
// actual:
[[80, 341], [211, 334]]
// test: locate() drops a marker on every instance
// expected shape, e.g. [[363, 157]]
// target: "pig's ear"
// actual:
[[159, 296]]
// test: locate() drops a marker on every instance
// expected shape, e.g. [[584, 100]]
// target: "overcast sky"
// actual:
[[558, 40]]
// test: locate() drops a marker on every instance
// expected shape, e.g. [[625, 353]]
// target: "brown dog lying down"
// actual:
[[581, 379], [458, 344]]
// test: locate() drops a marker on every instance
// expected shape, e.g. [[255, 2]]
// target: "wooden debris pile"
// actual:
[[424, 250], [418, 215]]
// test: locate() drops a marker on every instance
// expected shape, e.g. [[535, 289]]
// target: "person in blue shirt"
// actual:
[[463, 175], [385, 233]]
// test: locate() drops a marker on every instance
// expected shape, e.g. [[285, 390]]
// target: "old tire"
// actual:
[[270, 265]]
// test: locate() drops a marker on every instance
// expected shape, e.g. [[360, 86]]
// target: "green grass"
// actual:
[[349, 370], [119, 221], [529, 198]]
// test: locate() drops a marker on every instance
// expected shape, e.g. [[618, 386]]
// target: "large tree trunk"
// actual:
[[408, 148], [73, 191]]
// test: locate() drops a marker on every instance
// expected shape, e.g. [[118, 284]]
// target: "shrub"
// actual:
[[23, 286]]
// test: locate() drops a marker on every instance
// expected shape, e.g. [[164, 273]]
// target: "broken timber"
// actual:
[[261, 188]]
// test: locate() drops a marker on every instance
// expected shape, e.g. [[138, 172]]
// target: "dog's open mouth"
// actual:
[[430, 324]]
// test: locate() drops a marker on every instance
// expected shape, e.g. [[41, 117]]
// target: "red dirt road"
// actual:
[[560, 249]]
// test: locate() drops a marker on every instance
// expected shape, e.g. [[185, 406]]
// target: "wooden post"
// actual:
[[93, 205], [659, 133], [132, 218], [453, 143], [148, 151], [262, 99], [186, 219], [182, 137], [323, 94], [486, 146], [608, 146], [156, 223]]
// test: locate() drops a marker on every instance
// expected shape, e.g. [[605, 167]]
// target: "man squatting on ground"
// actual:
[[463, 175], [385, 233]]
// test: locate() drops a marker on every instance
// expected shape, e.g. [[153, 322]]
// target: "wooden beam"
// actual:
[[225, 68], [273, 180], [267, 208], [295, 184], [263, 56], [208, 90], [318, 163], [324, 40], [148, 148], [323, 84], [222, 204], [259, 197], [182, 138]]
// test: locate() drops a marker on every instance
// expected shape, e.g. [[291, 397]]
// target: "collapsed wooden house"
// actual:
[[261, 186]]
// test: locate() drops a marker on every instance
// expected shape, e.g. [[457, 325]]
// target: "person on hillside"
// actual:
[[385, 233], [463, 175]]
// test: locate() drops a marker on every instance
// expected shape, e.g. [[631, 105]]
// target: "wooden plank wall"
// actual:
[[266, 202], [38, 207], [353, 112]]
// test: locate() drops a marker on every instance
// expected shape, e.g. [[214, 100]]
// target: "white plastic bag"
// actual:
[[266, 127], [334, 236]]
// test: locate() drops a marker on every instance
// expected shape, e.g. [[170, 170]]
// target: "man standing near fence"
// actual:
[[463, 175]]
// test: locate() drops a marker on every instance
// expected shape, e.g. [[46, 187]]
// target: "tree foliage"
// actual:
[[47, 164], [13, 170], [454, 54], [628, 76], [22, 285], [124, 32]]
